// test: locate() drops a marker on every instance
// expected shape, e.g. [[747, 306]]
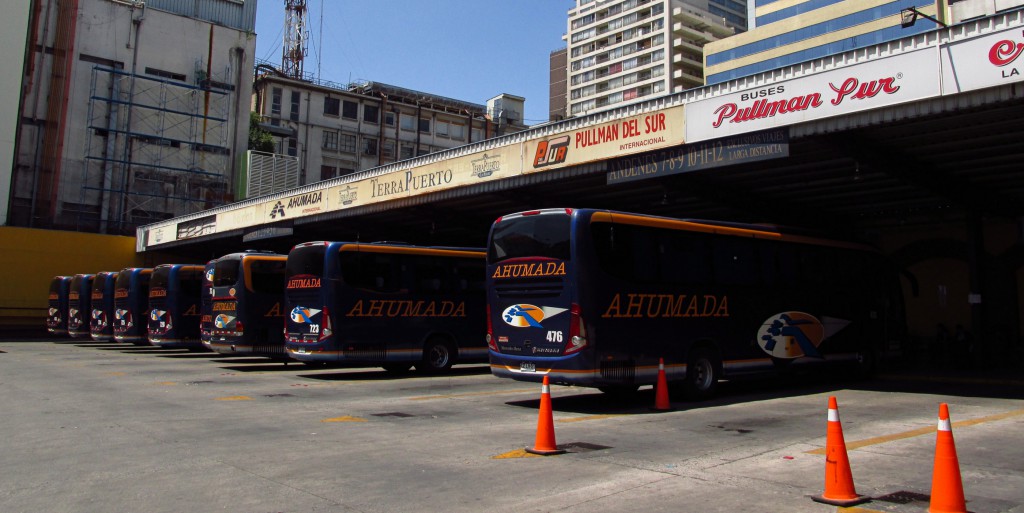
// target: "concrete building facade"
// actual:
[[335, 129], [623, 51], [130, 111]]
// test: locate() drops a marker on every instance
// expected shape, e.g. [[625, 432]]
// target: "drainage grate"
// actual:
[[904, 497], [393, 414], [583, 447]]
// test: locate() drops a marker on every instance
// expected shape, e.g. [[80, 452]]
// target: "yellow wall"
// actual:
[[29, 259]]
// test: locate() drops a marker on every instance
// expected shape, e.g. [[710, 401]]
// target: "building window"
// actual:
[[165, 74], [441, 129], [406, 152], [406, 123], [328, 172], [349, 110], [478, 134], [275, 105], [457, 132], [296, 97], [389, 118], [293, 147], [347, 143], [330, 140], [387, 150], [342, 171], [425, 125], [370, 146], [371, 114], [332, 106]]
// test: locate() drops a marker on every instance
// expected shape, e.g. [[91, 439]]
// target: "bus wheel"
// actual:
[[396, 368], [438, 356], [701, 374]]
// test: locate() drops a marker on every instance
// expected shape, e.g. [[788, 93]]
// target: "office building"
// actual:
[[620, 52]]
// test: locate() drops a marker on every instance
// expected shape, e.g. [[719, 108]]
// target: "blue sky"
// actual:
[[470, 50]]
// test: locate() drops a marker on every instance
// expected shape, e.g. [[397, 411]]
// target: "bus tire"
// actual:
[[396, 368], [702, 373], [438, 356]]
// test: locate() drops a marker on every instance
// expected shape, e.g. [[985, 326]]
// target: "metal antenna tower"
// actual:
[[295, 36]]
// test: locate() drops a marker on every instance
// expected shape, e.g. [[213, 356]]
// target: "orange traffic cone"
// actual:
[[947, 488], [839, 489], [661, 402], [545, 442]]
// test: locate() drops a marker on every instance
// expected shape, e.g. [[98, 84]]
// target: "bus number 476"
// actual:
[[554, 336]]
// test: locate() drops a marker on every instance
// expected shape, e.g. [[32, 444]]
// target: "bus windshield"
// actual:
[[543, 235]]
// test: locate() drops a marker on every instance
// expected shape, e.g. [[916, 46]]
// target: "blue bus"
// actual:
[[79, 305], [385, 304], [131, 305], [206, 306], [594, 298], [57, 315], [100, 327], [174, 296], [248, 291]]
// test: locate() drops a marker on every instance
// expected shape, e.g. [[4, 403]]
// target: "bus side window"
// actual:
[[735, 262], [685, 258], [428, 274]]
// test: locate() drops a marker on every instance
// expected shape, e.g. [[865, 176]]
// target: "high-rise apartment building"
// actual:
[[782, 33], [623, 51]]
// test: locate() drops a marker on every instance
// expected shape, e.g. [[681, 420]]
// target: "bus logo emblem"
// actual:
[[302, 315], [209, 275], [222, 321], [528, 316], [790, 335], [156, 315]]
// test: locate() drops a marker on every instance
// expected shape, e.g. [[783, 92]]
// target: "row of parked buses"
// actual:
[[587, 297]]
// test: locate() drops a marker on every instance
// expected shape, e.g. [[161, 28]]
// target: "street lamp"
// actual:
[[909, 16]]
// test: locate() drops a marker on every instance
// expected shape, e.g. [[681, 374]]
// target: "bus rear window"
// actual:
[[160, 278], [226, 273], [530, 236], [124, 280], [307, 260]]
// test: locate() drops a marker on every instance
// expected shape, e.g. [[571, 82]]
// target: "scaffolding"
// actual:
[[156, 147]]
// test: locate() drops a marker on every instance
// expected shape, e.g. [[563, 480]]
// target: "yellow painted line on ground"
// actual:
[[518, 453], [346, 418], [922, 431], [473, 394], [234, 398], [589, 417]]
